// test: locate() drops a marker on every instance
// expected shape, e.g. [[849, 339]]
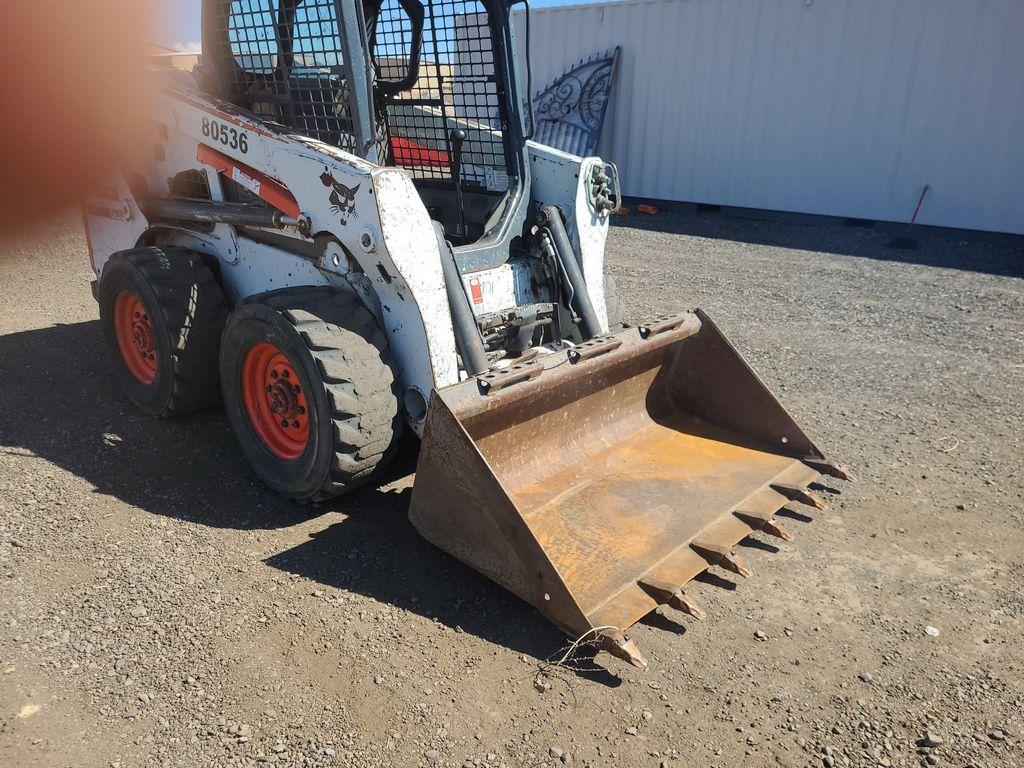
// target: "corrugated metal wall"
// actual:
[[836, 107]]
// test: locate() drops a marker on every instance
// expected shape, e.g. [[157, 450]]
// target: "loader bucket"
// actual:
[[596, 483]]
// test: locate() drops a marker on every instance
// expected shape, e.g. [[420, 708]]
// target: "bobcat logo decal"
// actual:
[[343, 199]]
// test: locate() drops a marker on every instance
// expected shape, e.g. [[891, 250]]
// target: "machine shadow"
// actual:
[[375, 551], [70, 412], [65, 407], [948, 248]]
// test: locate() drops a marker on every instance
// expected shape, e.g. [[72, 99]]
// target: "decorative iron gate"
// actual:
[[570, 111]]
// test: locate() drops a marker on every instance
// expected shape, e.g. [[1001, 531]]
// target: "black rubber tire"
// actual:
[[187, 312], [614, 305], [345, 368]]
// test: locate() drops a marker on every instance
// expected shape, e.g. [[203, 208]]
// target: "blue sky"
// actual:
[[176, 22]]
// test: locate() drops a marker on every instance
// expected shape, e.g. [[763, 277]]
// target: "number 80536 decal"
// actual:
[[226, 135]]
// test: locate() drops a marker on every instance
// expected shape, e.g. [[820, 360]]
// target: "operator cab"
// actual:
[[440, 82]]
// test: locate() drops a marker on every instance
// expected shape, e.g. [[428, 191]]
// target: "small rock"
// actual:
[[431, 754], [760, 636], [138, 611], [930, 739], [631, 731], [556, 752], [788, 631], [997, 735], [378, 679], [961, 506], [865, 677], [279, 747], [931, 631]]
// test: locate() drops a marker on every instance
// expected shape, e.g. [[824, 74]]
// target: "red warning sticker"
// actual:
[[475, 290]]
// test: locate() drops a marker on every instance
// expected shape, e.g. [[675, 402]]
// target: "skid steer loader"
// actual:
[[342, 229]]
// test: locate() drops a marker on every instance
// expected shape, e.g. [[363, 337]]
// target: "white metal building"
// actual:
[[836, 107]]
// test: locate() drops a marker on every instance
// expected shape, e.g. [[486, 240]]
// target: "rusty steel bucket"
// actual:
[[596, 483]]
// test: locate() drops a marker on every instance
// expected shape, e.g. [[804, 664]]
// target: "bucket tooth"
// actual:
[[660, 590], [710, 551], [621, 647], [776, 529], [734, 563], [763, 521], [684, 603], [756, 520], [830, 468], [672, 596], [722, 556], [795, 493]]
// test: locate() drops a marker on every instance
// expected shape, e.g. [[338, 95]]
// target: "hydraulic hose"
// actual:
[[217, 212], [467, 335], [580, 302]]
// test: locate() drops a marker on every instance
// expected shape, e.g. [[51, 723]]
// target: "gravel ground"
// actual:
[[160, 607]]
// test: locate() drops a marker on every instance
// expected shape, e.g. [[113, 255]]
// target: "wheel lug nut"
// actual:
[[269, 388], [296, 389], [301, 410], [285, 373], [284, 422], [273, 374], [295, 424]]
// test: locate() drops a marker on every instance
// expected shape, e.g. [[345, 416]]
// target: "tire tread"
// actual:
[[357, 372], [189, 297]]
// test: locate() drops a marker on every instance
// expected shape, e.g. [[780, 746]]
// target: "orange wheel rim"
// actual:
[[274, 401], [134, 333]]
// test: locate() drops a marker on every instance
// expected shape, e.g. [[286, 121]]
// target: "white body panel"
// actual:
[[560, 179], [111, 220], [511, 285], [384, 228]]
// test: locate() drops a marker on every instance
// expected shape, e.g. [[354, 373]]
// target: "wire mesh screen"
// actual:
[[456, 87], [189, 185], [286, 65]]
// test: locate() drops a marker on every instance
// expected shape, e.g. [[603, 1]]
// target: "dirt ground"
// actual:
[[158, 606]]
